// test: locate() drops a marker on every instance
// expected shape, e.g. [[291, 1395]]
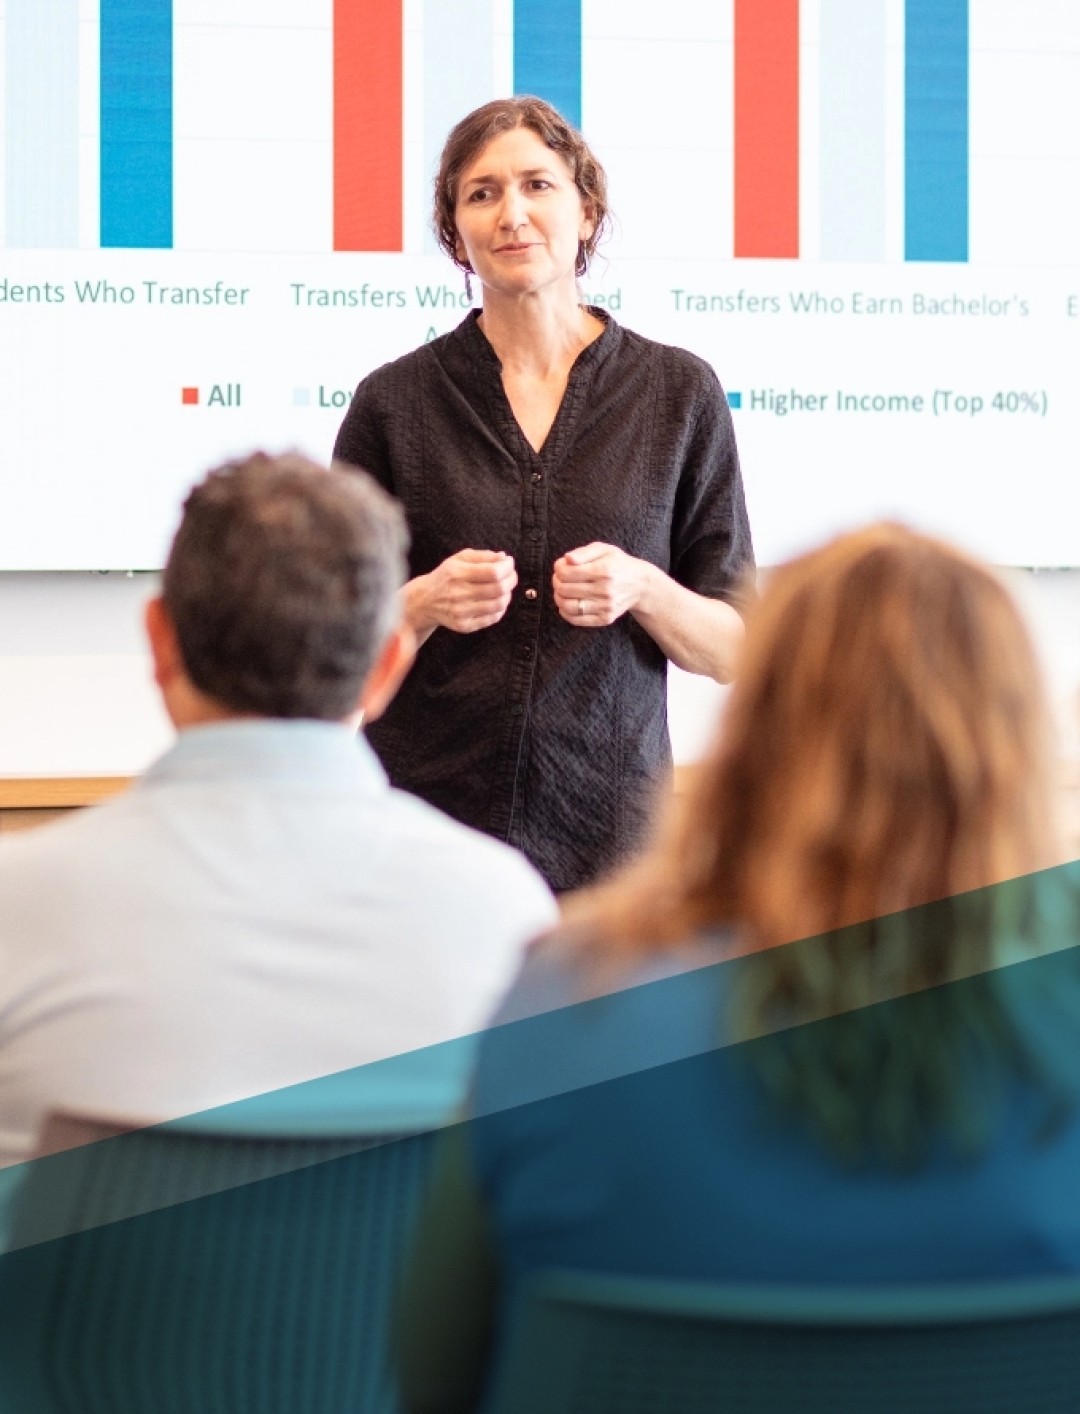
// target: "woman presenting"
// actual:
[[577, 514]]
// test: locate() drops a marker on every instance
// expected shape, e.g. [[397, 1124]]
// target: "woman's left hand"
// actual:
[[598, 583]]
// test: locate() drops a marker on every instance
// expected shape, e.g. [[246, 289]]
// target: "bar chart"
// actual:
[[864, 214], [864, 130], [936, 130], [136, 78]]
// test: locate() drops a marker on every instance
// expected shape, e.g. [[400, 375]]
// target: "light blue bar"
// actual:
[[459, 51], [936, 130], [852, 131], [42, 123], [136, 124], [547, 53]]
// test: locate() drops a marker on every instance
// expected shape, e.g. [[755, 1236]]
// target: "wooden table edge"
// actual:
[[58, 792]]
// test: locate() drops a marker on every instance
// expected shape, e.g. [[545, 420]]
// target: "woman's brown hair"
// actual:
[[885, 745], [469, 138]]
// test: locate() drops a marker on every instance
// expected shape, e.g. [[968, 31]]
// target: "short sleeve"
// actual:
[[712, 552], [362, 439]]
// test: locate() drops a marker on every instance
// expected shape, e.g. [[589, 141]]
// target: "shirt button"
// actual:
[[527, 651], [536, 535], [530, 594], [516, 710], [536, 478]]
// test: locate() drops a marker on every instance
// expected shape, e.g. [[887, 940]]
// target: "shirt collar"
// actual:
[[321, 754], [476, 342]]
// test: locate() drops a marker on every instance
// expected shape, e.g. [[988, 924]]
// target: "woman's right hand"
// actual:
[[468, 591]]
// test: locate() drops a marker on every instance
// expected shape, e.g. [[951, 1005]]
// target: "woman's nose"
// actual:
[[512, 213]]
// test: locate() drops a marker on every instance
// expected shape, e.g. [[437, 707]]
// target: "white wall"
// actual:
[[1052, 601], [76, 696]]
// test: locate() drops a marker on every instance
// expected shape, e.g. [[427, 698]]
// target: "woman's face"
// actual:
[[520, 217]]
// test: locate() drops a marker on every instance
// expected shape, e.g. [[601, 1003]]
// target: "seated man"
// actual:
[[261, 908]]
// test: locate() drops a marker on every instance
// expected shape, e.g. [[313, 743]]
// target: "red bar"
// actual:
[[367, 124], [767, 128]]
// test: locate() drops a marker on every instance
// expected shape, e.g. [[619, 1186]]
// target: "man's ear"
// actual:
[[394, 661], [164, 647]]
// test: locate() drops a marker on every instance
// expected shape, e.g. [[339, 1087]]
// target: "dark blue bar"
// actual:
[[136, 123], [936, 130], [547, 53]]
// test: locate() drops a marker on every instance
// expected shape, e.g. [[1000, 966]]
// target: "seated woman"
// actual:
[[825, 1031]]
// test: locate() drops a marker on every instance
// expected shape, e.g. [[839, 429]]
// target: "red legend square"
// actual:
[[189, 396]]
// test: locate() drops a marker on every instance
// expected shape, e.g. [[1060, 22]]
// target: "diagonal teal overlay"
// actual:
[[276, 1133], [272, 1295], [644, 1028], [254, 1249], [643, 1025]]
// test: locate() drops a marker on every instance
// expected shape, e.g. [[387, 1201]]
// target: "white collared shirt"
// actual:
[[259, 910]]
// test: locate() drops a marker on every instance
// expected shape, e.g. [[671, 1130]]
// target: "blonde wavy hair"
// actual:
[[885, 745]]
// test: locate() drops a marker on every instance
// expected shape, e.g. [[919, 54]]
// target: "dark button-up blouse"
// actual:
[[549, 736]]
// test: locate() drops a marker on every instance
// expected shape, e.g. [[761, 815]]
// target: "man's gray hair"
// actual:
[[282, 584]]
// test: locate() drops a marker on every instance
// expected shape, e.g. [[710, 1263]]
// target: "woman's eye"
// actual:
[[479, 193], [539, 184]]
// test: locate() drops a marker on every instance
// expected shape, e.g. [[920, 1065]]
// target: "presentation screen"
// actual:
[[865, 214]]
